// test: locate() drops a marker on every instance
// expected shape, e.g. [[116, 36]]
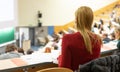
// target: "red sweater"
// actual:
[[74, 51]]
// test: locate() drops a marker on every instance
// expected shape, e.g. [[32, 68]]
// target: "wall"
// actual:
[[31, 33], [8, 13], [55, 12]]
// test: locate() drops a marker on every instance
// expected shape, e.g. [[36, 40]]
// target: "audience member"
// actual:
[[95, 28], [101, 29], [101, 21], [55, 37], [105, 38], [61, 33], [30, 51], [10, 52], [47, 50], [20, 50], [113, 16], [112, 36], [82, 46], [117, 36]]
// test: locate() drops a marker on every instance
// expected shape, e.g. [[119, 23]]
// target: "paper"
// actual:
[[5, 64], [19, 62], [37, 58]]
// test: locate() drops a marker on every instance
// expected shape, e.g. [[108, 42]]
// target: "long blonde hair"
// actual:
[[117, 30], [84, 20]]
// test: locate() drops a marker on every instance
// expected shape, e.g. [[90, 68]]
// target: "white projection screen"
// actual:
[[8, 13]]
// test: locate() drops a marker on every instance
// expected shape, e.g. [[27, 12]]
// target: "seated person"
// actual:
[[117, 35], [105, 38], [20, 50], [10, 52], [61, 33], [30, 51], [82, 46], [95, 28], [55, 37], [112, 35], [47, 50]]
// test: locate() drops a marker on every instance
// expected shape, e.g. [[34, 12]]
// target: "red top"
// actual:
[[74, 51]]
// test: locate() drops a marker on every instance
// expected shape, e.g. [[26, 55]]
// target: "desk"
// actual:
[[9, 65], [108, 49], [39, 59]]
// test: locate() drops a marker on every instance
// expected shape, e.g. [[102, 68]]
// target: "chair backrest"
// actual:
[[103, 64], [56, 69]]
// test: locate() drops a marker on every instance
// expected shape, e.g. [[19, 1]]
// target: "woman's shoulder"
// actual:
[[118, 44], [97, 37]]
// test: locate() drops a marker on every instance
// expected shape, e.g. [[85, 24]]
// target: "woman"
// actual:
[[117, 36], [82, 46], [117, 40]]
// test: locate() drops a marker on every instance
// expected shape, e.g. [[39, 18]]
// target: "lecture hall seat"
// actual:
[[56, 69]]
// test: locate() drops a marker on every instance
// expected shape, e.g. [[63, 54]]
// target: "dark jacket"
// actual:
[[118, 45], [118, 48], [104, 64], [106, 40]]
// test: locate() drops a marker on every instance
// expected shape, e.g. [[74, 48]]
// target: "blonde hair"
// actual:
[[84, 20], [117, 29]]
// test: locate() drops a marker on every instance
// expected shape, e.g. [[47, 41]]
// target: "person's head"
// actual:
[[84, 19], [47, 50], [95, 25], [10, 48], [30, 51], [117, 32], [101, 21], [20, 50]]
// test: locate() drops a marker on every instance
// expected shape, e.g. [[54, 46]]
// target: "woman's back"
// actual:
[[75, 50]]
